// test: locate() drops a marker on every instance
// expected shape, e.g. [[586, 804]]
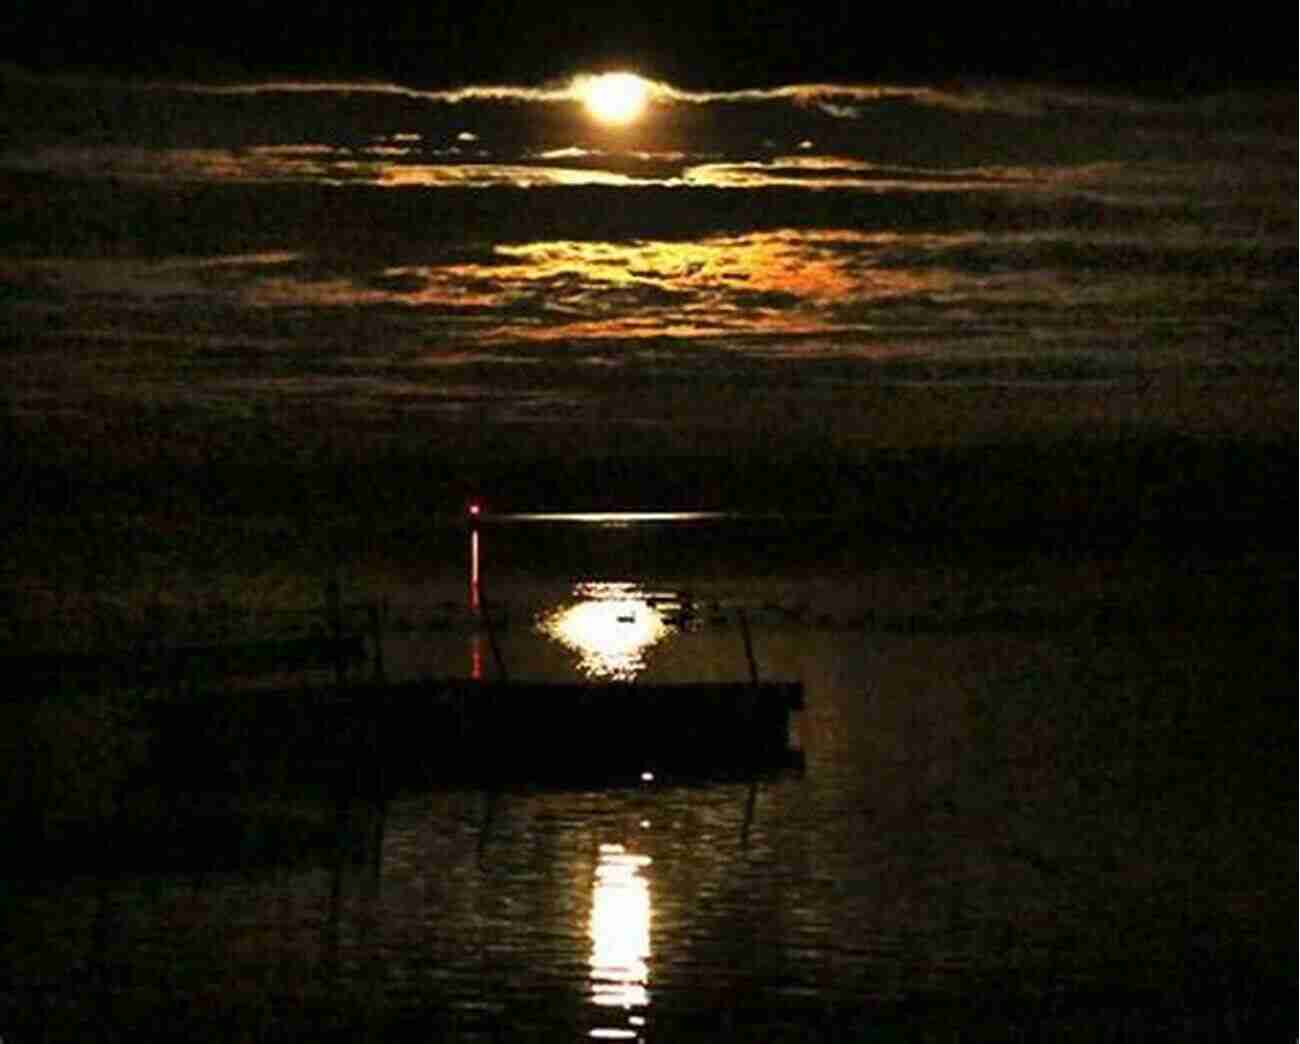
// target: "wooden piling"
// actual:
[[485, 619], [378, 616]]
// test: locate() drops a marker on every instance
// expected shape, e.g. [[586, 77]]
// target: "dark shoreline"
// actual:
[[127, 521], [1141, 487]]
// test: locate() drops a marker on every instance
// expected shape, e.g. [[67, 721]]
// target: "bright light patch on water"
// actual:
[[610, 629], [620, 938]]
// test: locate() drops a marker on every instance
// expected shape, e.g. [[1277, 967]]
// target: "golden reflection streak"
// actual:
[[610, 518], [620, 937], [610, 630]]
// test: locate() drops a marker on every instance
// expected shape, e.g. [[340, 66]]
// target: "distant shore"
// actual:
[[1109, 487], [117, 524]]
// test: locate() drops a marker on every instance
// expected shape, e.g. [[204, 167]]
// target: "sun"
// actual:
[[617, 98]]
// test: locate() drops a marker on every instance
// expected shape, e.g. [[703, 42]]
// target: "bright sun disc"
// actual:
[[616, 98]]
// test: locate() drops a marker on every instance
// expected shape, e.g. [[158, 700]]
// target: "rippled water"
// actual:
[[1057, 828]]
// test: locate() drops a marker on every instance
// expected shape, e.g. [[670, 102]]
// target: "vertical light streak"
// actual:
[[474, 596], [620, 940], [475, 602], [476, 656]]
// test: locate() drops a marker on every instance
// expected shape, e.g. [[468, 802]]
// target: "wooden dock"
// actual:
[[464, 731], [181, 664]]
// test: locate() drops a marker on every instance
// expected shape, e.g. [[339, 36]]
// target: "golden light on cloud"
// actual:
[[780, 282], [616, 98]]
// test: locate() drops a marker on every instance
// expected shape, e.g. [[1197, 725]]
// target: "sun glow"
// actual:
[[616, 98]]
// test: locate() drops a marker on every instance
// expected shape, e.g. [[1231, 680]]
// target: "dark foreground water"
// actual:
[[1044, 795]]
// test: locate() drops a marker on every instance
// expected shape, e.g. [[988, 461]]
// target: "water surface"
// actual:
[[1042, 820]]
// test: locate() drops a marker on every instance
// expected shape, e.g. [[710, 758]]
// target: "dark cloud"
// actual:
[[1157, 46], [392, 249]]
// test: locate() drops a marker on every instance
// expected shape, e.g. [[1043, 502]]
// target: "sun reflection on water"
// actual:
[[610, 628], [620, 940]]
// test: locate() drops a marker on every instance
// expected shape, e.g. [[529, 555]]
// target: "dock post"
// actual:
[[334, 613], [485, 616], [378, 612], [751, 802], [749, 646]]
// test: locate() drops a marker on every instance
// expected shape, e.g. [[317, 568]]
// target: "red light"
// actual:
[[475, 508]]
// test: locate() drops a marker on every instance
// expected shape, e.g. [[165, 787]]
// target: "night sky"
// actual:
[[1158, 47], [838, 226]]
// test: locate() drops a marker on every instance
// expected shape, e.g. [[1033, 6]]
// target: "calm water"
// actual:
[[1061, 828]]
